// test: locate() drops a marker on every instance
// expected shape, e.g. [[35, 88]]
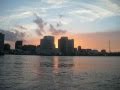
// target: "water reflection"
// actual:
[[91, 64], [56, 65], [59, 73]]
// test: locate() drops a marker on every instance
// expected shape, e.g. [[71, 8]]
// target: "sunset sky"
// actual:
[[92, 23]]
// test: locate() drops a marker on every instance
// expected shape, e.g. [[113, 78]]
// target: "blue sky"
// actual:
[[83, 16]]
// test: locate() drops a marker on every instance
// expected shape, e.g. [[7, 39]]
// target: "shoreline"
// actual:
[[61, 55]]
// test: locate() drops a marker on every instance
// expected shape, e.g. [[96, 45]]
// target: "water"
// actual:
[[59, 73]]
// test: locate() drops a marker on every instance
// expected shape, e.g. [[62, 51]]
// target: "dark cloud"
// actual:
[[59, 23], [39, 32], [54, 31], [41, 24], [13, 36]]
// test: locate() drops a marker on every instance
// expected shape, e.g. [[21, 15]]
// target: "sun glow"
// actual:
[[86, 41]]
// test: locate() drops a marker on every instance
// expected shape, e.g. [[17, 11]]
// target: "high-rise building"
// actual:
[[1, 42], [47, 42], [18, 45], [63, 45], [79, 48], [7, 47], [47, 46], [66, 46], [70, 47]]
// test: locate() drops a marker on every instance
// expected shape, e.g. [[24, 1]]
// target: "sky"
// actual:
[[92, 23]]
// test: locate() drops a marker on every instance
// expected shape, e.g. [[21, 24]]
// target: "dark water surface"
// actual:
[[59, 73]]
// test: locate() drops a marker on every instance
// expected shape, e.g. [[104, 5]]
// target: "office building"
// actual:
[[47, 42], [7, 47], [1, 43], [66, 46], [70, 47], [47, 46], [63, 45], [18, 45]]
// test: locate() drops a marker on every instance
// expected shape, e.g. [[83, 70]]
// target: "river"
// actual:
[[22, 72]]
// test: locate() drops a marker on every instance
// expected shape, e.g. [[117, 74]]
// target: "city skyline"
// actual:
[[90, 23], [47, 47]]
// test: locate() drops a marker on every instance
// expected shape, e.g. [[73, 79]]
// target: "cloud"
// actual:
[[41, 24], [56, 1], [55, 31], [42, 10], [60, 21], [14, 16], [91, 13], [10, 20], [88, 11], [112, 5], [117, 2], [21, 27], [13, 36]]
